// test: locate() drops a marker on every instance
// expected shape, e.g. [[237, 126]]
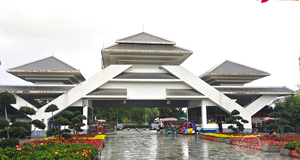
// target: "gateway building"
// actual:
[[143, 70]]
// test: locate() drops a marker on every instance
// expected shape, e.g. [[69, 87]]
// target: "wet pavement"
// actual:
[[139, 145]]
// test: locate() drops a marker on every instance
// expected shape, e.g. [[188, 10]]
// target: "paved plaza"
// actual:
[[137, 145]]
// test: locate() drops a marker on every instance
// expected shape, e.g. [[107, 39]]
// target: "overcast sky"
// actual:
[[264, 36]]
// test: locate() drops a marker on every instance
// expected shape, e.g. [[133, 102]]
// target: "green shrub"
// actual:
[[3, 133], [51, 131], [9, 142], [18, 132], [22, 124], [3, 123], [65, 136], [292, 145], [272, 125]]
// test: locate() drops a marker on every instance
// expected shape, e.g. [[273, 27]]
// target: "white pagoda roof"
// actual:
[[144, 38], [230, 72], [144, 48], [50, 69]]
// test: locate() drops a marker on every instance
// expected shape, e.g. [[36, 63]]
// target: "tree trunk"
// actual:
[[33, 130], [5, 110]]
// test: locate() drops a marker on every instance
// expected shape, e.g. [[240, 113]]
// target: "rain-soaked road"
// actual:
[[133, 145]]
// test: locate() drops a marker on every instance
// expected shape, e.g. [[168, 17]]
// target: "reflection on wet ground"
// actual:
[[137, 146]]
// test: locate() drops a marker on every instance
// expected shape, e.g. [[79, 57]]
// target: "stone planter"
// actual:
[[234, 142], [294, 153], [247, 144], [271, 148], [221, 140], [209, 138], [286, 152], [227, 141]]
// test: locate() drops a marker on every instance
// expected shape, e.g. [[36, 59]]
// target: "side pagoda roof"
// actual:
[[230, 72], [50, 69], [144, 48]]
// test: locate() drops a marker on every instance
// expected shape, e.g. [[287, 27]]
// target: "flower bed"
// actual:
[[83, 136], [90, 136], [78, 147], [95, 142], [227, 135], [50, 151], [285, 138]]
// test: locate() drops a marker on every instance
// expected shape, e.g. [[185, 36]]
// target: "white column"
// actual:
[[204, 115], [85, 113], [187, 114]]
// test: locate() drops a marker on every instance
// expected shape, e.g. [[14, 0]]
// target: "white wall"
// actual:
[[146, 90]]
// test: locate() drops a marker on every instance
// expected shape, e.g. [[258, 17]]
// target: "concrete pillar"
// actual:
[[204, 114], [85, 121], [187, 114]]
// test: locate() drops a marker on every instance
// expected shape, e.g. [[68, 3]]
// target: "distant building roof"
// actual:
[[144, 48], [49, 69], [144, 38], [232, 73]]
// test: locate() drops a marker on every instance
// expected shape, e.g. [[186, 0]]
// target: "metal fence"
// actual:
[[110, 127]]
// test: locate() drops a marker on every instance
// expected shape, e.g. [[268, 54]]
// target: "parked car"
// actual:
[[153, 126], [120, 127]]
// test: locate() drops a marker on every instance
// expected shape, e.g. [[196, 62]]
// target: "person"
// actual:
[[220, 126], [158, 127]]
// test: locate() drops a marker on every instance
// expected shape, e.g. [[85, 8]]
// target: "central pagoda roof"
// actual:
[[144, 38], [144, 48]]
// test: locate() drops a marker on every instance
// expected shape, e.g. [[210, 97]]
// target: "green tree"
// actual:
[[38, 124], [236, 121], [280, 122], [76, 122], [6, 99], [120, 114], [292, 105], [171, 112], [70, 119], [27, 111], [51, 108]]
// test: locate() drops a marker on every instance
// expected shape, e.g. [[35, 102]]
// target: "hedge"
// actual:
[[136, 126]]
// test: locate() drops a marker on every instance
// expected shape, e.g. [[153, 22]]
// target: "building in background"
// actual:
[[143, 70]]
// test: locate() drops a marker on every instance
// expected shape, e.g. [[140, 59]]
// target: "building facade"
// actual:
[[143, 70]]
